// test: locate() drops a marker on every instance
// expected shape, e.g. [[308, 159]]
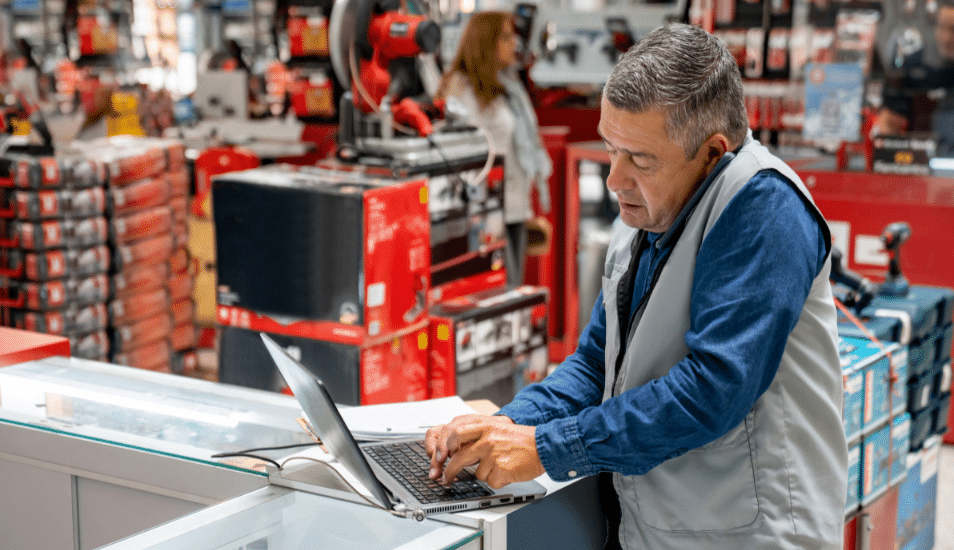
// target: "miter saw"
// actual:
[[376, 49]]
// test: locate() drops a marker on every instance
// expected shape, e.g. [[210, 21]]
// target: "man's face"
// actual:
[[649, 172], [944, 32]]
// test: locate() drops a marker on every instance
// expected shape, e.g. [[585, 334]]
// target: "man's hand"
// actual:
[[890, 123], [506, 452]]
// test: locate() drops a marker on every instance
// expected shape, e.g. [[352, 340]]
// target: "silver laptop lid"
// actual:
[[324, 417]]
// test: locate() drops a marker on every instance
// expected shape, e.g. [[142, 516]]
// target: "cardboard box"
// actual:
[[41, 205], [875, 463], [323, 245], [853, 500], [55, 264], [917, 500], [868, 356], [900, 443], [386, 371], [494, 335]]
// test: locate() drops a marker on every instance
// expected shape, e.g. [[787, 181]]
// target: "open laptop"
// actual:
[[395, 472]]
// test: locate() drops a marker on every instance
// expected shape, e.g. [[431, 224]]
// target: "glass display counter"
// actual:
[[152, 412], [275, 518]]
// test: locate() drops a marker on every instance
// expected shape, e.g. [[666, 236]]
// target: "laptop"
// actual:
[[394, 471]]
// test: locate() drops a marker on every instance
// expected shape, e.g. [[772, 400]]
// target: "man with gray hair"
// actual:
[[706, 390]]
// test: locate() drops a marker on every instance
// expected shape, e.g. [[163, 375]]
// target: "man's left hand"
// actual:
[[506, 452]]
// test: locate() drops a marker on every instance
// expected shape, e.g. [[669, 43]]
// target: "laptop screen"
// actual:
[[325, 419]]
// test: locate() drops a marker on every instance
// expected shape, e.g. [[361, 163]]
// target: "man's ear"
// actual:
[[714, 148]]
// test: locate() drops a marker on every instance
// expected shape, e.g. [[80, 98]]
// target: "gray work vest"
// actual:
[[776, 480]]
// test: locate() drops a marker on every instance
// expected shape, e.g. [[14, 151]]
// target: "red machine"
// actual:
[[387, 61]]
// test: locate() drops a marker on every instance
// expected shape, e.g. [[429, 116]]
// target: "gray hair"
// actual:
[[688, 73]]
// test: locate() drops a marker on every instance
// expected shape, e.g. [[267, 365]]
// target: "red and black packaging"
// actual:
[[183, 312], [62, 233], [140, 278], [389, 370], [489, 344], [93, 346], [178, 182], [179, 258], [63, 322], [61, 293], [136, 305], [184, 337], [127, 159], [55, 264], [40, 205], [180, 285], [341, 248], [127, 336], [154, 356], [146, 193], [142, 224], [69, 169], [147, 251], [307, 31], [184, 362]]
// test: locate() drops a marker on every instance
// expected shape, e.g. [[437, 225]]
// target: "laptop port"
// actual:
[[529, 497], [485, 504], [505, 500]]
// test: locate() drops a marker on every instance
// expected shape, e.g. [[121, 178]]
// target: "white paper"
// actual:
[[411, 419]]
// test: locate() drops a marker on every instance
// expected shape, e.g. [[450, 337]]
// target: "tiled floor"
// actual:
[[944, 530]]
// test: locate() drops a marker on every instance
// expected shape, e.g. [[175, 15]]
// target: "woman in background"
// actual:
[[483, 78]]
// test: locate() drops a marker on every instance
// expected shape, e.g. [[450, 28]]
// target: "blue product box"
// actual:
[[875, 463], [854, 386], [927, 307], [944, 379], [922, 424], [917, 500], [919, 392], [941, 414], [867, 355], [900, 441], [886, 329], [922, 355], [899, 388], [853, 500], [944, 340]]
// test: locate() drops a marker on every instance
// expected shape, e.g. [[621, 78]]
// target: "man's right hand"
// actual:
[[889, 123]]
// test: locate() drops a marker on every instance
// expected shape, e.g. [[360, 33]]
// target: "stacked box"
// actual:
[[873, 361], [922, 320], [335, 262], [152, 324], [900, 442], [875, 463], [917, 499], [489, 344], [466, 212], [853, 499], [53, 252], [853, 376]]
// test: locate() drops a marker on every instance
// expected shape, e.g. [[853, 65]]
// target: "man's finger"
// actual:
[[466, 456]]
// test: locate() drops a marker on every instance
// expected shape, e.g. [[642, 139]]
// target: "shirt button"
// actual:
[[571, 473]]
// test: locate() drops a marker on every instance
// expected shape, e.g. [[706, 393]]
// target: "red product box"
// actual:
[[184, 337], [143, 331], [777, 59], [72, 233], [140, 277], [388, 370], [180, 234], [313, 96], [55, 264], [63, 322], [69, 169], [152, 356], [63, 292], [308, 34], [97, 34], [140, 195], [180, 285], [147, 251], [361, 247], [37, 205], [142, 224], [93, 346], [183, 311], [497, 337], [136, 305]]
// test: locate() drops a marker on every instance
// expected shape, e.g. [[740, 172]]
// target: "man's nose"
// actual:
[[618, 178]]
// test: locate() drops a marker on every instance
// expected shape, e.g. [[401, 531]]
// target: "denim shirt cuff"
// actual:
[[561, 450]]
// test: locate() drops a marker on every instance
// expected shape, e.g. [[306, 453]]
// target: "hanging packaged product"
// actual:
[[63, 322], [61, 293], [307, 31], [141, 225], [55, 264], [145, 193], [136, 305]]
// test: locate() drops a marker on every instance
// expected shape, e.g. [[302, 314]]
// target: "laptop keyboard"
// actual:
[[409, 464]]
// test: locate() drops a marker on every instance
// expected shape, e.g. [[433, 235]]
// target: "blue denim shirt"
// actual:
[[767, 245]]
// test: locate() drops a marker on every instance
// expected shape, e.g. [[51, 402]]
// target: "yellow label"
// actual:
[[125, 117], [422, 340], [443, 332]]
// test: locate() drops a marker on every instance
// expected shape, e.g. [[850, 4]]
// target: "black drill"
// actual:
[[893, 236], [860, 289]]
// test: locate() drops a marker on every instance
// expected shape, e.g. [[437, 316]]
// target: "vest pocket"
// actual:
[[709, 489]]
